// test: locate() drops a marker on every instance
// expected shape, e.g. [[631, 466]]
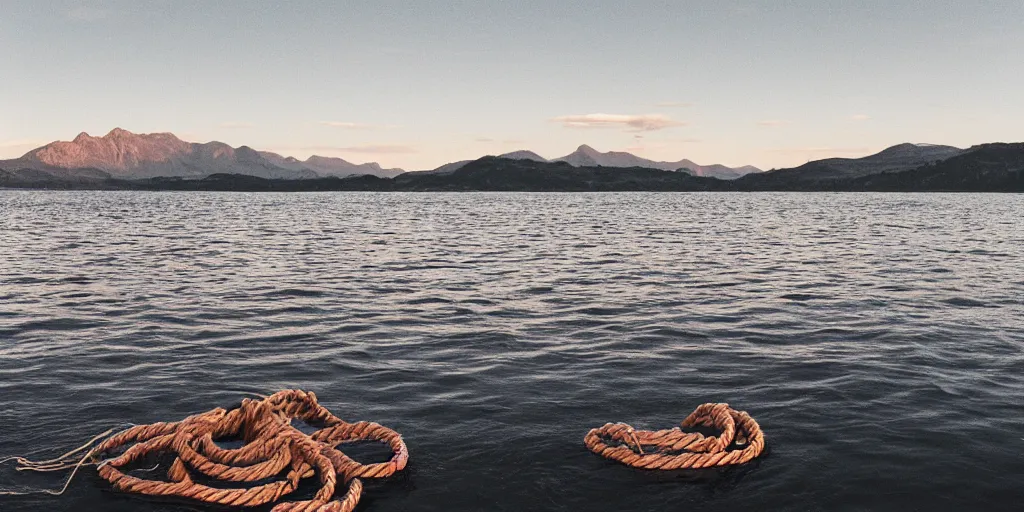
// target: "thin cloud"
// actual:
[[395, 50], [632, 123], [772, 123], [18, 147], [815, 151], [671, 140], [85, 13], [674, 104], [381, 149], [743, 10], [356, 126], [860, 117], [236, 124], [21, 143]]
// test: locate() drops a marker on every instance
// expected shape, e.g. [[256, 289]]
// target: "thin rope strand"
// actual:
[[273, 459]]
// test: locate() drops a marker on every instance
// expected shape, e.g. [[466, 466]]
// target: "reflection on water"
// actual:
[[878, 339]]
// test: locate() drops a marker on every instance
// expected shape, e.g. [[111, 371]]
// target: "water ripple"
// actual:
[[878, 338]]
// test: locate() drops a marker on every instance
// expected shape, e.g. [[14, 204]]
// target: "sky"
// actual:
[[415, 84]]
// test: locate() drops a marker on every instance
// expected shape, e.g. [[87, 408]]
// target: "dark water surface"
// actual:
[[878, 339]]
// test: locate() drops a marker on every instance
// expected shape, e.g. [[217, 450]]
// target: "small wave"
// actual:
[[539, 290], [295, 292], [57, 324], [26, 280], [76, 280], [965, 302], [801, 297], [428, 300]]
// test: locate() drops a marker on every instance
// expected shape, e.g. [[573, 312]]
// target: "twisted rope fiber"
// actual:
[[273, 449], [676, 449]]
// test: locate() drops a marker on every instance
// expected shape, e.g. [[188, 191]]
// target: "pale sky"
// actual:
[[416, 84]]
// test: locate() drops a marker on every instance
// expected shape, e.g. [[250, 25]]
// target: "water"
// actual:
[[878, 339]]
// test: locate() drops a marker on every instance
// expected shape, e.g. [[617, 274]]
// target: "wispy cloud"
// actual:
[[236, 124], [772, 123], [347, 125], [632, 123], [743, 10], [21, 143], [380, 149], [18, 147], [860, 117], [674, 104], [85, 13], [819, 151], [503, 142]]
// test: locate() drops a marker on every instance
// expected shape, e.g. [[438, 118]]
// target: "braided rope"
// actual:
[[273, 450], [676, 449]]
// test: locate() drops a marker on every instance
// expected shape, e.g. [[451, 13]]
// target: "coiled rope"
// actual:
[[273, 449], [740, 441]]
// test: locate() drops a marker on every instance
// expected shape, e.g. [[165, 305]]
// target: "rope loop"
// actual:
[[273, 452], [677, 449]]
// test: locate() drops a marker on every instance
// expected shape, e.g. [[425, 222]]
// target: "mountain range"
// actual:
[[122, 160], [586, 156], [900, 157], [996, 167], [123, 154]]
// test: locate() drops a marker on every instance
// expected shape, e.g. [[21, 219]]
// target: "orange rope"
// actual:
[[273, 450], [676, 449]]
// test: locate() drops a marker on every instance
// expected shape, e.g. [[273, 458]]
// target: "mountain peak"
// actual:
[[123, 154], [118, 133], [524, 154], [586, 156], [328, 160], [334, 166], [912, 150]]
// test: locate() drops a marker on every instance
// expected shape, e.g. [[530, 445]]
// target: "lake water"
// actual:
[[878, 339]]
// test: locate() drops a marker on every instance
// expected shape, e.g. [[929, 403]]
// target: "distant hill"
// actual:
[[46, 178], [901, 157], [123, 154], [446, 168], [330, 166], [524, 155], [504, 174], [586, 156], [514, 155], [486, 174], [984, 168], [997, 167]]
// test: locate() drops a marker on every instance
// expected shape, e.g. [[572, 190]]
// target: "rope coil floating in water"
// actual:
[[676, 449], [272, 449]]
